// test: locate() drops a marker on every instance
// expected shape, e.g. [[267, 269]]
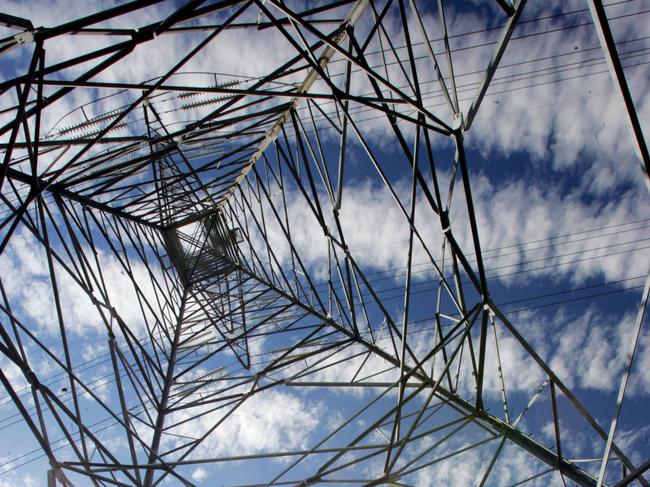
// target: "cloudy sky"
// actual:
[[558, 196]]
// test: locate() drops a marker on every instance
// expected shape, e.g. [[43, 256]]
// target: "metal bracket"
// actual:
[[24, 37]]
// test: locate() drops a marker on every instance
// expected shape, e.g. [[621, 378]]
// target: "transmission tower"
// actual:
[[205, 315]]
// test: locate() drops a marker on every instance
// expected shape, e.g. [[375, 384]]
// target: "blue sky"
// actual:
[[559, 199]]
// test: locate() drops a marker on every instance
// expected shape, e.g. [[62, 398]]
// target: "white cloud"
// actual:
[[15, 377], [590, 352], [199, 474], [526, 229], [12, 477], [31, 289], [466, 468], [270, 421]]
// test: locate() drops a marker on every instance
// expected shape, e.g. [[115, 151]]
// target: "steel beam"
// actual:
[[615, 66]]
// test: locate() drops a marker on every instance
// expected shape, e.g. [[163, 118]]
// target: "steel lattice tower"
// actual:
[[221, 200]]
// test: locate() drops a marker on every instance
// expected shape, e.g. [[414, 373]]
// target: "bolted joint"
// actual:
[[444, 222], [311, 480], [393, 477], [144, 34], [457, 122], [26, 37], [31, 378]]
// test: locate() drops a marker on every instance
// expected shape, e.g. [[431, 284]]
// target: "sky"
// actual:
[[558, 195]]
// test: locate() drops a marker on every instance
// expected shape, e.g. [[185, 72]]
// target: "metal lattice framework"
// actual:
[[221, 199]]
